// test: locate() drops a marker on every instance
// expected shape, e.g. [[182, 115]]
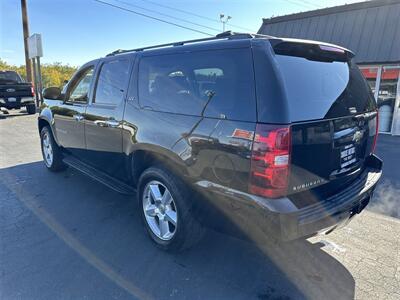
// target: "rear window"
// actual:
[[217, 83], [10, 77], [318, 89]]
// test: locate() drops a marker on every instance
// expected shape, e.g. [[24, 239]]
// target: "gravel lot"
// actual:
[[65, 236]]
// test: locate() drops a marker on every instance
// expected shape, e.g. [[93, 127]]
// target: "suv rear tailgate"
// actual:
[[15, 90], [333, 116], [327, 155]]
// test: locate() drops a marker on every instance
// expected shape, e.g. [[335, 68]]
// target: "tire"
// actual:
[[31, 109], [187, 230], [51, 149]]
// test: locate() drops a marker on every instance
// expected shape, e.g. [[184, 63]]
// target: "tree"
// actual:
[[52, 74]]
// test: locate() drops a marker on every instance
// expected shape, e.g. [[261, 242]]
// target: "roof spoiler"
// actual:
[[312, 50]]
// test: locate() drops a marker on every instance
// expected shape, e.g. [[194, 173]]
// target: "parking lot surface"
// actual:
[[65, 236]]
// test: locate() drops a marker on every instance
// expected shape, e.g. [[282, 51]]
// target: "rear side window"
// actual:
[[318, 89], [112, 82], [215, 83]]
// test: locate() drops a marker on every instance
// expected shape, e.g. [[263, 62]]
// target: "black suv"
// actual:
[[267, 135]]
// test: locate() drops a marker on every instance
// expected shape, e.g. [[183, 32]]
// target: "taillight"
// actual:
[[376, 132], [270, 161], [32, 91]]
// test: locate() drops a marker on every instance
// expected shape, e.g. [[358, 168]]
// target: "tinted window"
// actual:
[[318, 89], [112, 82], [80, 88], [9, 77], [220, 82]]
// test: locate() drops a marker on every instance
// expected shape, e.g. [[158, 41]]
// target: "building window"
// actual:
[[371, 74], [387, 97], [384, 82]]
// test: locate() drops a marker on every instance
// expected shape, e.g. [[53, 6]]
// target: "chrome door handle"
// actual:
[[112, 123], [109, 123], [100, 123], [78, 118]]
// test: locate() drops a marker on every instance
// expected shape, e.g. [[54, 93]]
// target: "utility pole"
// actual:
[[25, 27], [224, 19]]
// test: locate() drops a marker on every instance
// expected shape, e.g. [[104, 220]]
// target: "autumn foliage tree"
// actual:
[[52, 74]]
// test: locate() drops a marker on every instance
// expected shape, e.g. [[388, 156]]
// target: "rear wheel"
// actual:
[[166, 210], [31, 109], [51, 153]]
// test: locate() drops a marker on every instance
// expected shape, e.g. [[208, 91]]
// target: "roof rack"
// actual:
[[224, 35]]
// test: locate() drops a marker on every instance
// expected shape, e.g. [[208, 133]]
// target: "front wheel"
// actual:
[[166, 210], [51, 153]]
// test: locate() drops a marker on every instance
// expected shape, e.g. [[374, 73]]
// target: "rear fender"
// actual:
[[150, 155]]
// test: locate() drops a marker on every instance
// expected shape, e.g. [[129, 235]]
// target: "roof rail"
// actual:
[[224, 35]]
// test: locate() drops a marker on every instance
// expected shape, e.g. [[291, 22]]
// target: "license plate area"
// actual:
[[347, 155], [12, 99]]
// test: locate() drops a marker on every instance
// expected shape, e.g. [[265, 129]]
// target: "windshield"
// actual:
[[9, 77], [323, 89]]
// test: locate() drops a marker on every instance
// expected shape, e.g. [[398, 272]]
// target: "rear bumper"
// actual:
[[281, 218], [332, 212], [18, 103]]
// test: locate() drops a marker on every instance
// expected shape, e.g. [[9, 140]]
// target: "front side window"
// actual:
[[81, 88], [112, 82], [215, 83]]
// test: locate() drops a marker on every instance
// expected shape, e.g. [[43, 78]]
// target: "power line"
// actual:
[[194, 14], [153, 18], [166, 15], [302, 3], [311, 3], [181, 10], [298, 4]]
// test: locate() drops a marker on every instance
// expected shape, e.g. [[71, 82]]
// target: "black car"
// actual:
[[15, 93], [263, 135]]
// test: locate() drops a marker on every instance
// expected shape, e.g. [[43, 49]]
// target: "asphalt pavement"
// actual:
[[66, 236]]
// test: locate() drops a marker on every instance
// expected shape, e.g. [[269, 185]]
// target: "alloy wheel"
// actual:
[[160, 210], [47, 150]]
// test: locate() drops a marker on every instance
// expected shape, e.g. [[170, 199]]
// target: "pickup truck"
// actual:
[[15, 93]]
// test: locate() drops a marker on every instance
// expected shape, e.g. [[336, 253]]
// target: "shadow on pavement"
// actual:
[[110, 256]]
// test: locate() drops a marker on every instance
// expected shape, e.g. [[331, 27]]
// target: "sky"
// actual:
[[76, 31]]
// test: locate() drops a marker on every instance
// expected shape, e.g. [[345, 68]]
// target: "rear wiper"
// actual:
[[209, 94]]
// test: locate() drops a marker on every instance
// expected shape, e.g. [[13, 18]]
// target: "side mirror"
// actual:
[[53, 93]]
